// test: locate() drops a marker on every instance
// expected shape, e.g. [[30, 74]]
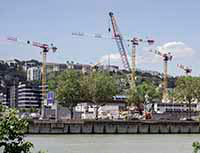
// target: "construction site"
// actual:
[[112, 111]]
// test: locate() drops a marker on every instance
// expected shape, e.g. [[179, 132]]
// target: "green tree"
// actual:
[[12, 133], [142, 93], [196, 147], [187, 90], [68, 89], [98, 88]]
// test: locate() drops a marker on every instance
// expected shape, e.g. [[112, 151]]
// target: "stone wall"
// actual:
[[114, 127]]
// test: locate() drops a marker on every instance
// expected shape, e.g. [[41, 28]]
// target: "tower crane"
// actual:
[[45, 49], [117, 36], [166, 57], [119, 41], [185, 68], [135, 42]]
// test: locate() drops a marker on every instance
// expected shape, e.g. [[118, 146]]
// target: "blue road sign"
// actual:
[[50, 97]]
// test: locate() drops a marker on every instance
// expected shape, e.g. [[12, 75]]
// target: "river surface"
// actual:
[[114, 143]]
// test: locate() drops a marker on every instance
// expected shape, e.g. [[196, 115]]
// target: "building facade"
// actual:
[[29, 95], [33, 73]]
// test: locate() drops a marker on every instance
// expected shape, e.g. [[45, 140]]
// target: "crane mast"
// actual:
[[135, 42], [166, 57], [133, 71], [165, 82], [119, 41]]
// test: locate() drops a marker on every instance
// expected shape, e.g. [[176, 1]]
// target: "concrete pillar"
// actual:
[[98, 128], [33, 129], [110, 128], [184, 129], [164, 129], [66, 128], [132, 128], [154, 128], [87, 128], [45, 128], [122, 128], [143, 128], [174, 128], [57, 128], [75, 128], [195, 129]]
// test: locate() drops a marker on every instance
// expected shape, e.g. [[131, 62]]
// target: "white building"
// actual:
[[175, 107], [33, 73]]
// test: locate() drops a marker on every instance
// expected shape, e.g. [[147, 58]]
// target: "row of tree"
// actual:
[[72, 87]]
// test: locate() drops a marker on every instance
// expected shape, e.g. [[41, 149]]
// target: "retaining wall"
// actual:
[[114, 127]]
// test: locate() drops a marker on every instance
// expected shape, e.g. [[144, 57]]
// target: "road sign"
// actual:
[[50, 98]]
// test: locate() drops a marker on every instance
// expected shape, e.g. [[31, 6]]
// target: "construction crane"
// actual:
[[119, 41], [166, 57], [45, 49], [185, 68], [135, 42]]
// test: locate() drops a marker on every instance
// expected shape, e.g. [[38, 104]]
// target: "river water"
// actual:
[[114, 143]]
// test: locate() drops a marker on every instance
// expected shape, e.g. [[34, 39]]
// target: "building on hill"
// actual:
[[30, 63], [11, 63], [55, 67], [2, 62], [33, 73]]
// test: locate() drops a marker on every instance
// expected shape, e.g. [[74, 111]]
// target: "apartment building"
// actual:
[[29, 95], [33, 73]]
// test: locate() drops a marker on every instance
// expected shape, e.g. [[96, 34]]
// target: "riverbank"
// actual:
[[114, 127]]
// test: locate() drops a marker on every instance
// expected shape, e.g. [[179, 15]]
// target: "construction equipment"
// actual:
[[166, 57], [117, 36], [120, 42], [95, 66], [135, 42], [45, 49], [185, 68]]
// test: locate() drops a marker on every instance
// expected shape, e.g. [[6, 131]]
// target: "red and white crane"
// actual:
[[166, 57], [185, 68], [119, 41], [45, 49]]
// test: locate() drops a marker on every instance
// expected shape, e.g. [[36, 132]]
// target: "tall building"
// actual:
[[29, 95], [33, 73], [6, 97], [13, 96]]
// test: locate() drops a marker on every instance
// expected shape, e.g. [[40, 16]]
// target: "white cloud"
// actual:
[[115, 59], [177, 49]]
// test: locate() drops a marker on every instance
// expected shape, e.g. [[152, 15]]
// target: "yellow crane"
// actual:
[[135, 42], [45, 49], [166, 57]]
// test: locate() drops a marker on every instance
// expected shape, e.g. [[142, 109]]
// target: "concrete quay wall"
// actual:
[[114, 127]]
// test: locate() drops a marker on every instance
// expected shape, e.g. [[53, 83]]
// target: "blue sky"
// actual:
[[173, 24]]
